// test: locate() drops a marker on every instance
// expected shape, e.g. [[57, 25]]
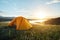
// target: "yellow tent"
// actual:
[[21, 23]]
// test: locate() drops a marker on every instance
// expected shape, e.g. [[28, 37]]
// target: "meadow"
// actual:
[[38, 32]]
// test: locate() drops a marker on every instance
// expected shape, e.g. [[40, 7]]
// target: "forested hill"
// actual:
[[54, 21], [10, 18], [5, 18]]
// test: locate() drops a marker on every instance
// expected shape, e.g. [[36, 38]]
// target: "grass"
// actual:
[[38, 32]]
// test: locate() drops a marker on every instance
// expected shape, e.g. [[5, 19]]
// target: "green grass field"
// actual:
[[38, 32]]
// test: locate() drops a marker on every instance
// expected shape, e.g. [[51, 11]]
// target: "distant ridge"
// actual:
[[10, 18], [5, 18], [53, 21]]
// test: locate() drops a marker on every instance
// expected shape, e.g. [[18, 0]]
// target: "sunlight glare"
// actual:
[[41, 15]]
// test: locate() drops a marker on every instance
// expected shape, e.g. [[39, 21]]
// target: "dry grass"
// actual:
[[38, 32]]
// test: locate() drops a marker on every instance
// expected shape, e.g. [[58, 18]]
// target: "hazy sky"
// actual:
[[29, 8]]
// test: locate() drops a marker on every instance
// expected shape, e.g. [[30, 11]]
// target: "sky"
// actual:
[[29, 8]]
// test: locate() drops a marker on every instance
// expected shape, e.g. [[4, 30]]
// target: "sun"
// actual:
[[41, 15]]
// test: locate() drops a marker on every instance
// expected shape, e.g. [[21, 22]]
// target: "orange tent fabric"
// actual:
[[21, 23]]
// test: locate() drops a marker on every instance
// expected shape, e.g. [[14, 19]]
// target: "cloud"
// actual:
[[1, 12], [53, 2]]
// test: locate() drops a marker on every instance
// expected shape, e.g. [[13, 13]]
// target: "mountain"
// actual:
[[5, 18], [54, 21], [10, 18]]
